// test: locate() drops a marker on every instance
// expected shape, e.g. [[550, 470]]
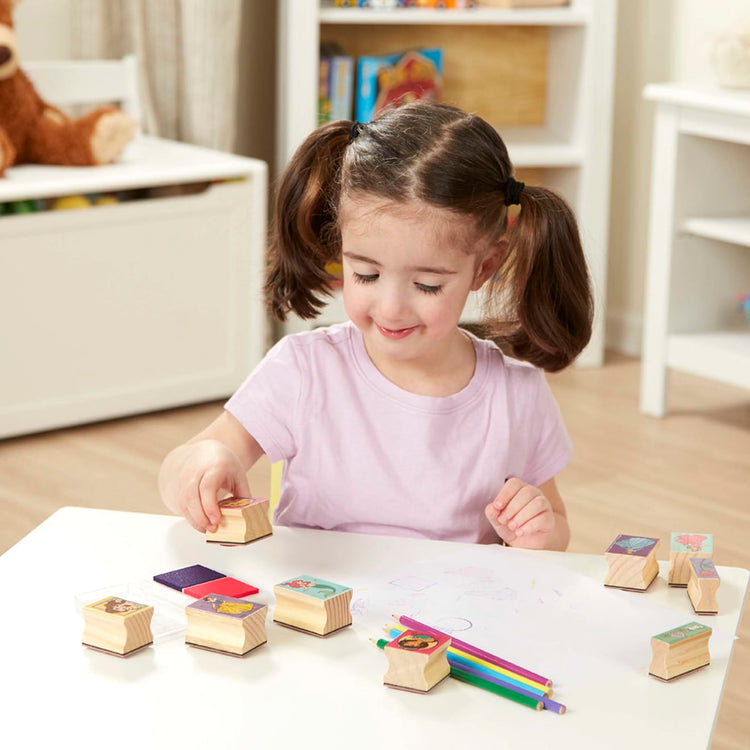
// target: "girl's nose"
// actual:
[[392, 304]]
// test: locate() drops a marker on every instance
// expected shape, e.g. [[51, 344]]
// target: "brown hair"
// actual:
[[539, 302]]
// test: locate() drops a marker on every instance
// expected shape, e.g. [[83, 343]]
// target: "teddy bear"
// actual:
[[32, 131]]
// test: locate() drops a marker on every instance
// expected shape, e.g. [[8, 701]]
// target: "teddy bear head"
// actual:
[[8, 50]]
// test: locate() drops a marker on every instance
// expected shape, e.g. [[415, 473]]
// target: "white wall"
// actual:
[[43, 29], [657, 40]]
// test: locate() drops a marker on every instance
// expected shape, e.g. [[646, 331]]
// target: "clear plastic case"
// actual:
[[169, 620]]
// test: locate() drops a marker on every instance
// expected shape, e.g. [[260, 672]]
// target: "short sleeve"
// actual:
[[266, 403], [548, 448]]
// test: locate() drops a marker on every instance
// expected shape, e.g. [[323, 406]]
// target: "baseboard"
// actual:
[[624, 332]]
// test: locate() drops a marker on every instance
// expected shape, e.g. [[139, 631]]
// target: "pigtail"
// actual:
[[543, 279], [304, 233]]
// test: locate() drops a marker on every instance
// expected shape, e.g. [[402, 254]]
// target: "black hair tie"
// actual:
[[355, 131], [513, 190]]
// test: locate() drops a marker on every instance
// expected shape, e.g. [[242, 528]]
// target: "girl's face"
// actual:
[[408, 269]]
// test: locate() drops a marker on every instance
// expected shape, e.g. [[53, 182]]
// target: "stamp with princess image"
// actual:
[[226, 605], [114, 605], [413, 640]]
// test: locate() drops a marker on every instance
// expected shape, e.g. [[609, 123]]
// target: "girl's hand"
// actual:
[[208, 471], [527, 516]]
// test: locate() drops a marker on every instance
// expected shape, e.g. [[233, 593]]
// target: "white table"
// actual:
[[297, 690], [699, 235]]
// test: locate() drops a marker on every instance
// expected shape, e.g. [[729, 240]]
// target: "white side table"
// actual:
[[699, 235]]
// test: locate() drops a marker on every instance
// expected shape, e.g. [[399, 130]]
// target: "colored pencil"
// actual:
[[459, 659], [549, 704], [533, 702], [505, 692], [474, 650]]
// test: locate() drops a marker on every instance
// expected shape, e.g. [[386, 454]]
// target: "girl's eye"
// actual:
[[364, 278], [427, 289]]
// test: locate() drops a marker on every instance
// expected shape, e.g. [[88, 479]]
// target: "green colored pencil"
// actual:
[[497, 689]]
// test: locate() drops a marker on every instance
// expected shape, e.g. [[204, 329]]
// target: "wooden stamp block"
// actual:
[[117, 626], [312, 605], [225, 624], [417, 661], [631, 562], [704, 580], [243, 520], [683, 547], [679, 651]]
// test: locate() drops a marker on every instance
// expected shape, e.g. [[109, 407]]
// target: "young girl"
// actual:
[[399, 422]]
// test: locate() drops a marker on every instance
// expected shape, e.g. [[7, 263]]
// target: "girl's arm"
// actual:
[[196, 475], [531, 517]]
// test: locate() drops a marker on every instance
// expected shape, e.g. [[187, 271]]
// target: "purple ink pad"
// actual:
[[182, 578]]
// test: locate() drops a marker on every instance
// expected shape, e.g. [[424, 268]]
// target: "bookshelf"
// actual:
[[542, 76], [699, 235]]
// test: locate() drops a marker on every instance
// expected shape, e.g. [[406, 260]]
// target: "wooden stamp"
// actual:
[[243, 520], [680, 651], [704, 580], [417, 661], [117, 626], [683, 547], [631, 562], [312, 605], [226, 625]]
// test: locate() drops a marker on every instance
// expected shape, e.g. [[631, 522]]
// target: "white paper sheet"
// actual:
[[536, 614]]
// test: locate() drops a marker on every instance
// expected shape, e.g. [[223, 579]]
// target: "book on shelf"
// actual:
[[336, 88], [386, 81]]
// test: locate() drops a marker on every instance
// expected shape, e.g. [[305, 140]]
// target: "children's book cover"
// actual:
[[315, 587], [389, 81], [226, 605]]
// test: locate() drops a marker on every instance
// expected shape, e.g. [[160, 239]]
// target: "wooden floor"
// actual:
[[630, 474]]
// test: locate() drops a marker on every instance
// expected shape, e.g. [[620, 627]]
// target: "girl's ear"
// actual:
[[491, 262]]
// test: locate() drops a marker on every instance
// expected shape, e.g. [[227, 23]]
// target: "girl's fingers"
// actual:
[[211, 484], [511, 487], [539, 524], [535, 505], [520, 500], [502, 531]]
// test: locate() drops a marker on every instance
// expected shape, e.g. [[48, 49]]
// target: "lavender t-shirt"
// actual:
[[363, 455]]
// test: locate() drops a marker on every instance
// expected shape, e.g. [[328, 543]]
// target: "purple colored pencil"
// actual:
[[473, 650], [549, 704]]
